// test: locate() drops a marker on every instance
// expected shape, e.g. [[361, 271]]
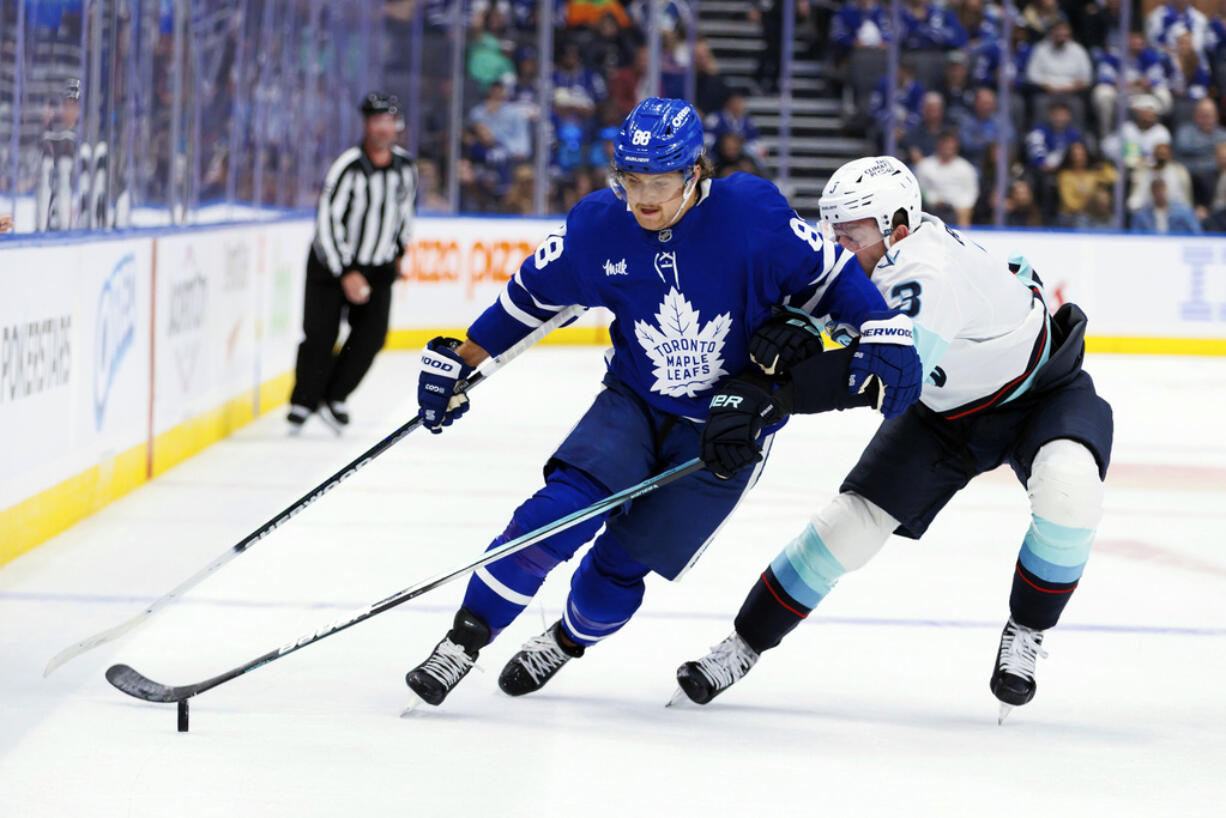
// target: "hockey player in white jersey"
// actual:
[[1004, 385]]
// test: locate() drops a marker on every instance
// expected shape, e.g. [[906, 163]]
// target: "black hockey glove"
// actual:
[[738, 413], [788, 337]]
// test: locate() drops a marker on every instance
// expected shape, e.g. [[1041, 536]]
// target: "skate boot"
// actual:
[[450, 660], [296, 418], [1013, 680], [541, 657], [714, 673], [335, 414]]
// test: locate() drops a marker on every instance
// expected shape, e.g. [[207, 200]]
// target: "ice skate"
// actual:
[[1013, 680], [450, 660], [541, 657], [296, 418], [703, 680], [335, 414]]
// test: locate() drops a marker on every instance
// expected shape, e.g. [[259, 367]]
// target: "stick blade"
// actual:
[[73, 651], [134, 683]]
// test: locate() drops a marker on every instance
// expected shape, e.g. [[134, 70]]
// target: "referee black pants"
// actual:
[[320, 374]]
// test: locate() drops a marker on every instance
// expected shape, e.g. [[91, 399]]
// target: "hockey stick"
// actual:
[[487, 368], [137, 684]]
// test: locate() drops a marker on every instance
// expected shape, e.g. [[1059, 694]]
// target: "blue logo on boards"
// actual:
[[1197, 306], [114, 331]]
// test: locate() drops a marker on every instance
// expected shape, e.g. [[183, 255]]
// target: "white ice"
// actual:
[[878, 705]]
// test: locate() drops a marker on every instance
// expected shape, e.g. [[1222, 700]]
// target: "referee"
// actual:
[[362, 228]]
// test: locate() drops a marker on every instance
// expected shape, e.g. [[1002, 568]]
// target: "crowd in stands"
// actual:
[[1066, 135], [599, 72]]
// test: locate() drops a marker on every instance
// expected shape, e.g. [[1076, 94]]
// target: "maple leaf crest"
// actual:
[[685, 355]]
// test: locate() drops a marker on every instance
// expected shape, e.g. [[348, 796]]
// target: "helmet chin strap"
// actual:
[[685, 197]]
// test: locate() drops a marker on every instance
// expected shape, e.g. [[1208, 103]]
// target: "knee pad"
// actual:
[[1064, 486], [853, 529]]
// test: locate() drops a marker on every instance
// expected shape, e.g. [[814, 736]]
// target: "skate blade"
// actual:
[[413, 707], [679, 697], [1005, 710]]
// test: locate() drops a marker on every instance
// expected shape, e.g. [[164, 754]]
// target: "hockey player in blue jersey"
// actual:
[[690, 268], [1004, 385]]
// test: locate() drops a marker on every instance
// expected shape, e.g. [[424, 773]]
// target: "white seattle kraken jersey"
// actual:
[[981, 331]]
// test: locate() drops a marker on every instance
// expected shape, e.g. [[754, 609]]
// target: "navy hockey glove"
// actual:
[[441, 384], [788, 337], [738, 413], [886, 355]]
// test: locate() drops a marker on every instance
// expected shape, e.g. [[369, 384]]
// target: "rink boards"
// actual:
[[123, 356]]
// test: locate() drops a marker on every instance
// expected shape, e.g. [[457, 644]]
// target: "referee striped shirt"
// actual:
[[365, 213]]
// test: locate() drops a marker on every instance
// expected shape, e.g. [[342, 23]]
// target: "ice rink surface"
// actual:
[[878, 705]]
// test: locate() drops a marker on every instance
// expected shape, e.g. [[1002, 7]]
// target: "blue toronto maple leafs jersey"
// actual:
[[685, 300]]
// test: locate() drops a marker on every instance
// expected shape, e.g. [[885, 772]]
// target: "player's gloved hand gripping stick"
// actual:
[[487, 368]]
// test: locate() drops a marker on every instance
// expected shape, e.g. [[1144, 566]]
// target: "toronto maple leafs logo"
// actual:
[[685, 355], [612, 268]]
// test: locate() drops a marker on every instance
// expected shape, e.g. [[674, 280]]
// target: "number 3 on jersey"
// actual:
[[908, 295], [550, 249]]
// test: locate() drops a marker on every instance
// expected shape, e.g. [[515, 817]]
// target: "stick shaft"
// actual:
[[135, 684], [487, 368]]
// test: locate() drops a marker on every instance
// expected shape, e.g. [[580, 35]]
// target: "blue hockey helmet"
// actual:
[[659, 136]]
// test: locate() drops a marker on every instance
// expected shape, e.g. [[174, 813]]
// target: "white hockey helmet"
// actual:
[[875, 187]]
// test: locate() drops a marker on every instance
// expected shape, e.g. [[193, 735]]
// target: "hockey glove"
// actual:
[[788, 337], [738, 413], [886, 355], [441, 384]]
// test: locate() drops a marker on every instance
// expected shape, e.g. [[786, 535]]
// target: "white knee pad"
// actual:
[[853, 529], [1064, 485]]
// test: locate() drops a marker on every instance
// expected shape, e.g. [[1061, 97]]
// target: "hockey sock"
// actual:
[[788, 590], [1048, 570], [1066, 501], [605, 591], [499, 591]]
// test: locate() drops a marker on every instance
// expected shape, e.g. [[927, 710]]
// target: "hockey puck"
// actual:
[[183, 715]]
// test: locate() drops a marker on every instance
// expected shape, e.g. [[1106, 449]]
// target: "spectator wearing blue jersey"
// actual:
[[1187, 71], [572, 131], [1145, 72], [571, 73], [986, 60], [982, 23], [1195, 144], [1046, 146], [523, 89], [1164, 216], [929, 27], [860, 24], [980, 127], [1165, 23], [733, 118], [1060, 69]]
